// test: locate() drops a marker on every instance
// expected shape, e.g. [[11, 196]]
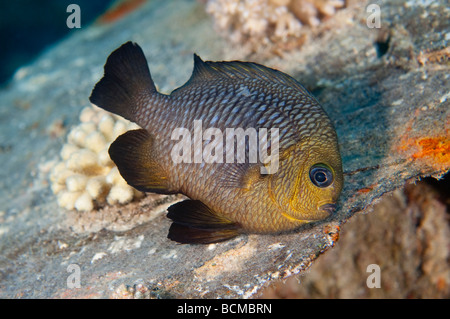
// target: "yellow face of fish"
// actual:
[[309, 181]]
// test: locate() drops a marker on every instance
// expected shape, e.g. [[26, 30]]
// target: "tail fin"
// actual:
[[126, 84]]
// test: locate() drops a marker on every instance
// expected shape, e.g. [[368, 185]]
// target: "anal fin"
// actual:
[[195, 223], [132, 152]]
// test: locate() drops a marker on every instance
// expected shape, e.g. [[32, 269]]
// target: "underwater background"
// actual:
[[29, 27]]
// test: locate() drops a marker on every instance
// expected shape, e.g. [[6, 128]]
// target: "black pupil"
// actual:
[[320, 177]]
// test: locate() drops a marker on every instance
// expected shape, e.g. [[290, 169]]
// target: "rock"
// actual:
[[405, 235]]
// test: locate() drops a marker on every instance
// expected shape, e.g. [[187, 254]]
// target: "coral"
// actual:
[[120, 9], [258, 23], [86, 178]]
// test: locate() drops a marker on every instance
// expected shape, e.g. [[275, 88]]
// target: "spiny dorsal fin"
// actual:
[[201, 72], [238, 70], [194, 222], [245, 70], [132, 153], [201, 69]]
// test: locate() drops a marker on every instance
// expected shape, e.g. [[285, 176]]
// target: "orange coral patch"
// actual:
[[437, 147], [435, 151], [366, 189], [332, 233], [119, 10]]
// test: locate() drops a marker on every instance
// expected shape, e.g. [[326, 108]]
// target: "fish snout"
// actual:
[[329, 208]]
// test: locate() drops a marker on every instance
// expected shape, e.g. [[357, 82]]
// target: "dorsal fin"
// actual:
[[201, 72], [201, 69], [237, 70], [245, 70]]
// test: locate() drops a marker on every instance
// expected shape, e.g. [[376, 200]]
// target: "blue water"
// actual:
[[28, 27]]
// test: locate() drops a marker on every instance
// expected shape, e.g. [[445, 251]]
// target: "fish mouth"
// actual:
[[329, 208]]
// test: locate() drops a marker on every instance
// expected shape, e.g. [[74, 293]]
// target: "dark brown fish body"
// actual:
[[227, 197]]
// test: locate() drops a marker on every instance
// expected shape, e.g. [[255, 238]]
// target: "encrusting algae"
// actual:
[[233, 189], [86, 178]]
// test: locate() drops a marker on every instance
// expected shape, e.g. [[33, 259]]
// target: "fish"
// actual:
[[201, 139]]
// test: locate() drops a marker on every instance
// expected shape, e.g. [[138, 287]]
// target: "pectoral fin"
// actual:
[[133, 154], [243, 176], [195, 223]]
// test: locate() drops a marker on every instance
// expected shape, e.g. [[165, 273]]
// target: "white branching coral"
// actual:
[[261, 22], [86, 178]]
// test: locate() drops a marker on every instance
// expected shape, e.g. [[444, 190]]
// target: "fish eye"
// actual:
[[321, 175]]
